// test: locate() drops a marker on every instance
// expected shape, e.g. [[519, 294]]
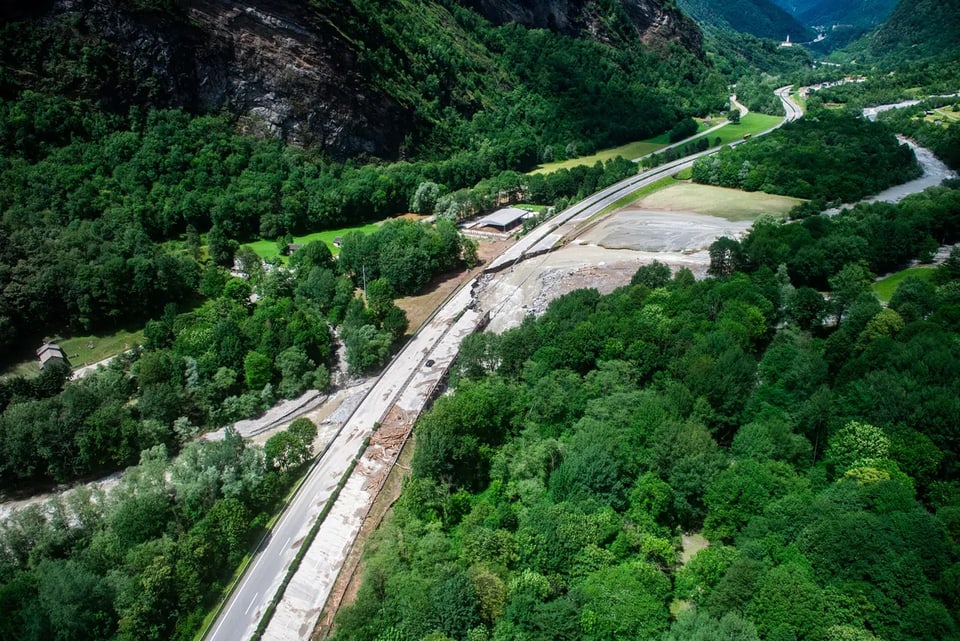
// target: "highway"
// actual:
[[438, 339], [794, 112], [249, 600], [555, 231]]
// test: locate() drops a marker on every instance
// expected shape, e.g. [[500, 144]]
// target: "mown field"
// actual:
[[629, 151], [885, 287], [732, 204], [268, 249], [752, 123]]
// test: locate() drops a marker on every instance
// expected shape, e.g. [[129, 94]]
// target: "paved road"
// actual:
[[703, 134], [246, 606], [554, 231], [244, 609], [789, 105]]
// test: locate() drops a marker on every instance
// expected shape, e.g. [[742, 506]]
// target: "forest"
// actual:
[[826, 155], [107, 221], [817, 452], [148, 559], [227, 358]]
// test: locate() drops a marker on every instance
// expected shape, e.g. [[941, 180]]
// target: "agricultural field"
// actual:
[[630, 151], [731, 204], [752, 123]]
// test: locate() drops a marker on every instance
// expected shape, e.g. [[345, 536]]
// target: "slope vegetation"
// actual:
[[381, 79], [760, 18], [919, 29]]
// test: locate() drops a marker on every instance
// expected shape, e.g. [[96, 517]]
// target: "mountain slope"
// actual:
[[355, 77], [759, 18], [827, 13], [919, 29]]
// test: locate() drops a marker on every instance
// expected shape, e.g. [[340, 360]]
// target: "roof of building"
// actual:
[[504, 218], [50, 351]]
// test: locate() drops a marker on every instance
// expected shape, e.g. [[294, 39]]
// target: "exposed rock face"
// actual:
[[653, 21], [265, 59], [287, 68]]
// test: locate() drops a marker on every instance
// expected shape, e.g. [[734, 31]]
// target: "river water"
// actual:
[[934, 170]]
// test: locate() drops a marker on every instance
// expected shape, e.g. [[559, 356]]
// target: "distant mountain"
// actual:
[[848, 13], [919, 29], [761, 18]]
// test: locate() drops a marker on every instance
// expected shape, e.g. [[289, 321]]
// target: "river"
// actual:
[[934, 170]]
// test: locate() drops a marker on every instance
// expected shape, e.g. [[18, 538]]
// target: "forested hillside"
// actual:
[[918, 29], [102, 189], [383, 79], [761, 18], [812, 441], [855, 13]]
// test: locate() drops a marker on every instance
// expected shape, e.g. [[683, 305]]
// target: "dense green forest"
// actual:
[[108, 220], [813, 441], [101, 190], [228, 358], [826, 155], [148, 559]]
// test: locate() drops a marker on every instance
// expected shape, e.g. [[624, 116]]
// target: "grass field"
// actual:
[[732, 204], [885, 287], [86, 350], [944, 114], [752, 123], [540, 209], [268, 248], [629, 151], [800, 100], [632, 197], [82, 350]]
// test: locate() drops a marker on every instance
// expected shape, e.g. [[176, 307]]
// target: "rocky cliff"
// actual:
[[279, 66], [653, 21], [293, 69]]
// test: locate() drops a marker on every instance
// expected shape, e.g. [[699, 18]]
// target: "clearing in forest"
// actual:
[[269, 249], [885, 287], [731, 204]]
